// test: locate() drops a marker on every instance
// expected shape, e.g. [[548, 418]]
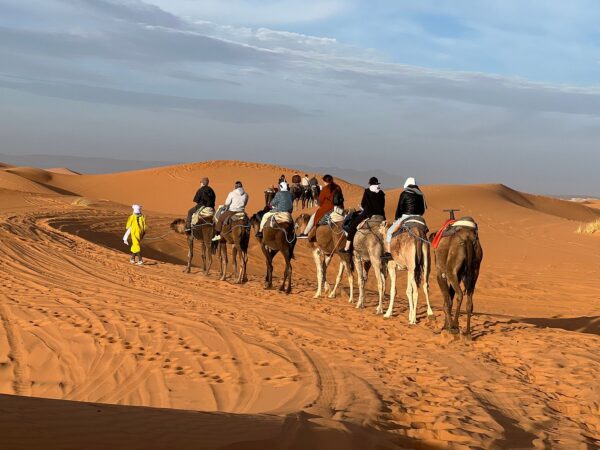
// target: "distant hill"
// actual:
[[82, 164]]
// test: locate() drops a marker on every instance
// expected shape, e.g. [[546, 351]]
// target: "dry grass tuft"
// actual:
[[589, 228]]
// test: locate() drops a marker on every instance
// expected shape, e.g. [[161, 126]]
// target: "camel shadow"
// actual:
[[585, 324]]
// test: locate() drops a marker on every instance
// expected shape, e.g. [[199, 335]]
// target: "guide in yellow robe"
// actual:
[[136, 228]]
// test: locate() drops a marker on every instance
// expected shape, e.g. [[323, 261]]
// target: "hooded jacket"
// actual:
[[237, 200], [282, 202], [411, 202], [373, 203], [205, 197]]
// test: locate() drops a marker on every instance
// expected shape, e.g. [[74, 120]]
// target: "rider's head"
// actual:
[[204, 181], [410, 181], [238, 184], [283, 186], [328, 179]]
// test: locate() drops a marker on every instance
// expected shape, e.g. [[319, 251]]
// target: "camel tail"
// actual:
[[418, 261], [469, 277], [214, 246]]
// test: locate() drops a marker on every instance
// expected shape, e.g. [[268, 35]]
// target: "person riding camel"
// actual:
[[313, 181], [330, 197], [372, 204], [305, 181], [282, 203], [411, 203], [136, 229], [235, 203], [205, 198]]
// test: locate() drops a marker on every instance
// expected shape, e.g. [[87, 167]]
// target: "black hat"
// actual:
[[238, 184], [373, 181]]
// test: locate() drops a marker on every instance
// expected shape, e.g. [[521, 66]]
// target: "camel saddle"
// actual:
[[279, 218], [335, 216], [234, 218], [375, 220], [409, 223], [203, 212], [451, 227]]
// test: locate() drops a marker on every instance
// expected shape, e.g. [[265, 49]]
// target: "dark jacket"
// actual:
[[282, 202], [411, 202], [205, 197], [373, 203]]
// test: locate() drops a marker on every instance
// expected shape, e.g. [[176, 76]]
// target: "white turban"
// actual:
[[137, 209], [283, 186], [409, 181]]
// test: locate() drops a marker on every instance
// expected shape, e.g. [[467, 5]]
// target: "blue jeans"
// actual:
[[394, 227]]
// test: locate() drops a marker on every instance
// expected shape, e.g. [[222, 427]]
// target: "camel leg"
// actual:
[[350, 281], [208, 252], [361, 284], [244, 267], [288, 262], [223, 251], [393, 275], [469, 309], [445, 289], [285, 272], [425, 276], [453, 280], [234, 262], [380, 277], [326, 262], [415, 298], [337, 279], [319, 264], [188, 269], [269, 283]]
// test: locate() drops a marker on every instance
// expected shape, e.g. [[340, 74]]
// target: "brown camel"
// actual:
[[457, 260], [280, 238], [203, 231], [237, 234], [296, 191], [368, 249], [410, 251], [330, 239]]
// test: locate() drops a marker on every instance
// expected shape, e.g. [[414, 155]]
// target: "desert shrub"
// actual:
[[589, 228]]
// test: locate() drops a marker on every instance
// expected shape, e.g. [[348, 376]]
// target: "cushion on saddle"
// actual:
[[375, 220], [334, 216], [203, 212], [233, 218], [451, 227], [465, 222], [409, 223], [279, 217]]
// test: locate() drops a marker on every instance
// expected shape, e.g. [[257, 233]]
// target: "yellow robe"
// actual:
[[138, 229]]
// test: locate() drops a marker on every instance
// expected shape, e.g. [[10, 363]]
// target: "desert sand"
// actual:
[[96, 353]]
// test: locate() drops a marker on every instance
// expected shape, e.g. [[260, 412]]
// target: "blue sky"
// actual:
[[449, 91]]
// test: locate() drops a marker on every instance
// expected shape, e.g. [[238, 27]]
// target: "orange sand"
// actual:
[[239, 367]]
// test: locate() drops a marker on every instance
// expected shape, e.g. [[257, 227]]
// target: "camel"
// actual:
[[280, 238], [458, 258], [237, 234], [329, 241], [410, 251], [297, 194], [203, 232], [315, 191], [269, 196], [368, 249]]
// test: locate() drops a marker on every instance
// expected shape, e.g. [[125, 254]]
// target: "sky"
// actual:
[[448, 91]]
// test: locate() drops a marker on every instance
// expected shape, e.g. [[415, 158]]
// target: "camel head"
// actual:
[[178, 226], [301, 222]]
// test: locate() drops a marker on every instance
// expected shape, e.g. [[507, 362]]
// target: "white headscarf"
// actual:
[[409, 181], [137, 209], [283, 186]]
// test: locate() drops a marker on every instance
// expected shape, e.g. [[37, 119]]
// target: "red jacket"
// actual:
[[326, 201]]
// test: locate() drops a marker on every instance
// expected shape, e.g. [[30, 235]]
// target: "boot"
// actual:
[[347, 248], [217, 237]]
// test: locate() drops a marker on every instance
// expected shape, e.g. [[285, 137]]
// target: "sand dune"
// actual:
[[240, 367]]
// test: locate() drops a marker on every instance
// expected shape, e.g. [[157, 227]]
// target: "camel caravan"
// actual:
[[362, 240]]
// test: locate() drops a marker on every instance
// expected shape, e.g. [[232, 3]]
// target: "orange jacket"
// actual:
[[326, 201]]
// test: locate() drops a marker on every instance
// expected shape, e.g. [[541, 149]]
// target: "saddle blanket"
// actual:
[[376, 220], [234, 217], [272, 218], [408, 223], [205, 212], [451, 227]]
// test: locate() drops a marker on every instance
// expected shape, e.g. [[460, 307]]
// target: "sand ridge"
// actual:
[[80, 323]]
